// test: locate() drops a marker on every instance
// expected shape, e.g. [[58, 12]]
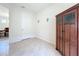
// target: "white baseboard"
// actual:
[[46, 40], [20, 38], [23, 37]]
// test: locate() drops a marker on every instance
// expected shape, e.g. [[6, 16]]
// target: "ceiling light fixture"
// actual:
[[22, 6]]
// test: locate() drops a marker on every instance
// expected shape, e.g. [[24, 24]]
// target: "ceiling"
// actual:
[[37, 7], [34, 7], [4, 11]]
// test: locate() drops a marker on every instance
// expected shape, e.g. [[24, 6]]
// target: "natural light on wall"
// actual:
[[3, 21], [4, 17]]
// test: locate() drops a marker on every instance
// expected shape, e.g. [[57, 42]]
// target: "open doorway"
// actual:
[[4, 22]]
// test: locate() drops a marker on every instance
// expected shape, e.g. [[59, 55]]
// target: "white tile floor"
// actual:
[[33, 47], [4, 46]]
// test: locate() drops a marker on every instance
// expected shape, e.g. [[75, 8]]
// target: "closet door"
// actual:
[[57, 40], [59, 33], [70, 33], [78, 31]]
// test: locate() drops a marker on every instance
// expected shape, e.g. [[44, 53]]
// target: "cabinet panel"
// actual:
[[66, 39], [57, 37], [59, 33], [73, 40], [69, 18], [70, 34], [59, 19], [60, 38], [78, 31]]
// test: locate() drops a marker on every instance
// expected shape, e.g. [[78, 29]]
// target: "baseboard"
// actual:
[[47, 41], [23, 37], [20, 38]]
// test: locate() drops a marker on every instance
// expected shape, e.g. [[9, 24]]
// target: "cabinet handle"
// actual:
[[63, 31]]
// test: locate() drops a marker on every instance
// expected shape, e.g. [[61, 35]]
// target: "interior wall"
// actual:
[[21, 24], [47, 29], [4, 15], [24, 23]]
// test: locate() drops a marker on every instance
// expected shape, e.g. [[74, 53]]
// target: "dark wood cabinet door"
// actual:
[[59, 33], [60, 38], [66, 39], [57, 39], [70, 33], [78, 32]]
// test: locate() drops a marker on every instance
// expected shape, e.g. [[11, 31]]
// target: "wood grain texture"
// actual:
[[78, 31], [67, 36], [70, 36], [66, 39]]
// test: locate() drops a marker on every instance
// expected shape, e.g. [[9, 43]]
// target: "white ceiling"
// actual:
[[4, 11], [37, 7]]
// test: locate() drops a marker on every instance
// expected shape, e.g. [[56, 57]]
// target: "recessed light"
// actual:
[[22, 6]]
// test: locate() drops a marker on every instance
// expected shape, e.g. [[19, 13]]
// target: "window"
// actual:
[[69, 18], [59, 20]]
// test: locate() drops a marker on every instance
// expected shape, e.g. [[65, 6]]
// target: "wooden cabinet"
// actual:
[[59, 33], [78, 32], [67, 31]]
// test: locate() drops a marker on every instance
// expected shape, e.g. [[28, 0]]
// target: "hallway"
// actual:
[[32, 28]]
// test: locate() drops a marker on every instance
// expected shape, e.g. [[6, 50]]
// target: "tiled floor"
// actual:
[[4, 46], [32, 47]]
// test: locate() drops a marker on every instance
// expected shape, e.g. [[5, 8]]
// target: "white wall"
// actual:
[[4, 22], [47, 30], [4, 15], [21, 24]]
